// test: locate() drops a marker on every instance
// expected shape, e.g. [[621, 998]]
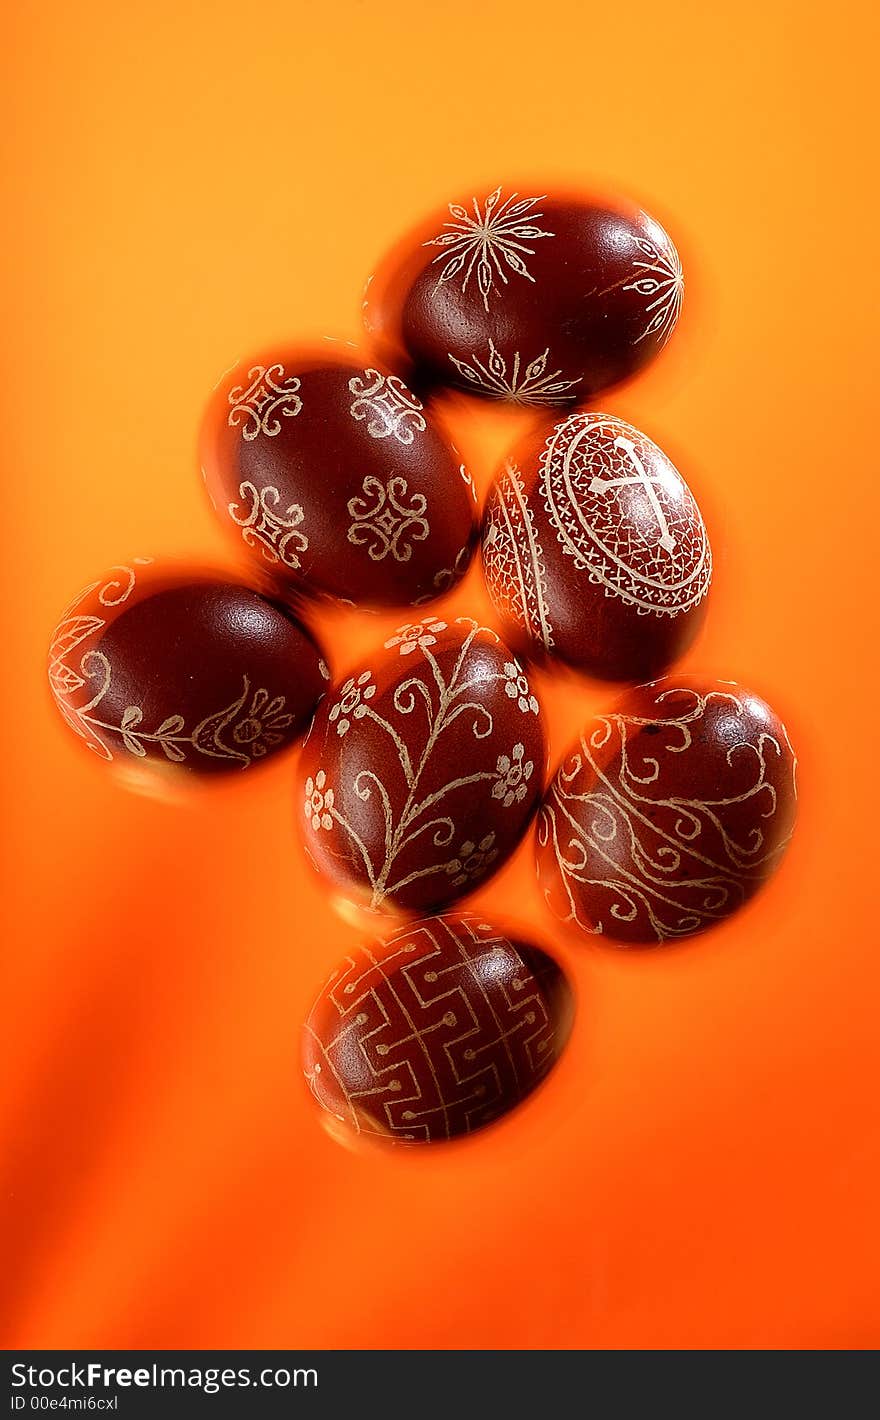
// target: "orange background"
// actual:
[[186, 182]]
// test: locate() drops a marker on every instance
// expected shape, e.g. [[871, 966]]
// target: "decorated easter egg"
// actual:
[[526, 296], [335, 480], [437, 1031], [422, 769], [594, 550], [668, 813], [184, 669]]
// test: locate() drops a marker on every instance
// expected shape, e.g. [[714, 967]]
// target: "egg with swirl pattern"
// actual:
[[669, 812], [595, 552], [436, 1032], [334, 480], [528, 294], [183, 669], [422, 769]]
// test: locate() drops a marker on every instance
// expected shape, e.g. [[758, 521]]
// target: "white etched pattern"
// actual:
[[624, 515], [278, 535], [659, 278], [492, 241], [388, 519], [268, 397], [439, 699], [434, 1034], [242, 731], [513, 558], [514, 380], [673, 864], [389, 408]]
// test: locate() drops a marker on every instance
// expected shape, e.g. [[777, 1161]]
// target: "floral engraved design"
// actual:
[[432, 698], [257, 405], [661, 278], [390, 409], [278, 534], [473, 860], [531, 385], [514, 773], [421, 634], [517, 687], [492, 241], [385, 522], [353, 702], [319, 802], [261, 729], [671, 862]]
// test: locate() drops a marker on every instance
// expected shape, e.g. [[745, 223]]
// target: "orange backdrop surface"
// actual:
[[186, 182]]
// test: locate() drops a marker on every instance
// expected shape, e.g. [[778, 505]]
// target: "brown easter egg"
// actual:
[[669, 812], [422, 769], [437, 1031], [530, 297], [184, 669], [335, 479], [594, 550]]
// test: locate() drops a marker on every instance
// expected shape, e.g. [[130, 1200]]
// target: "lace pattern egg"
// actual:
[[595, 551]]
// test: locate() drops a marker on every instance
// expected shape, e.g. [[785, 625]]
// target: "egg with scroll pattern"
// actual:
[[594, 549], [528, 294], [182, 669], [334, 480], [669, 812], [422, 769], [436, 1032]]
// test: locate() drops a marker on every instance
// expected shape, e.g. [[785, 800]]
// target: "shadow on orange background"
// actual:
[[702, 1168]]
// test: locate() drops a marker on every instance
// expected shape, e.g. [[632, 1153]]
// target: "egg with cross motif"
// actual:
[[528, 294], [436, 1032], [421, 770], [334, 480], [595, 551]]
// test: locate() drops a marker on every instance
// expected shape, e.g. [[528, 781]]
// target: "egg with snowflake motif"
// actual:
[[436, 1032], [595, 552], [422, 768], [334, 480], [159, 666], [528, 294]]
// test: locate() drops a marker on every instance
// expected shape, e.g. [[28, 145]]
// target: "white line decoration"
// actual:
[[589, 461], [493, 239], [531, 386], [257, 405], [388, 519], [277, 534], [659, 276], [390, 409], [443, 700], [670, 859], [513, 559], [242, 731]]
